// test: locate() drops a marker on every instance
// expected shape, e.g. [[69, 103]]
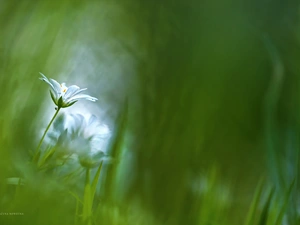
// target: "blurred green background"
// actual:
[[201, 97]]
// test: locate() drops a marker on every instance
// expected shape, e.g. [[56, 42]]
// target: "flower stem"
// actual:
[[36, 155]]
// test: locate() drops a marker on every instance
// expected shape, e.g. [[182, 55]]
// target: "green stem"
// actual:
[[87, 203], [35, 158]]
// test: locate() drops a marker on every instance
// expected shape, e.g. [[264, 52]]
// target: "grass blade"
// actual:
[[285, 204], [265, 212], [87, 199], [95, 182], [253, 208]]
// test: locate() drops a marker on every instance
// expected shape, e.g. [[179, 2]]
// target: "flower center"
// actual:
[[63, 88]]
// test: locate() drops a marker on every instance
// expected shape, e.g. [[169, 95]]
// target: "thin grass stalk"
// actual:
[[253, 208]]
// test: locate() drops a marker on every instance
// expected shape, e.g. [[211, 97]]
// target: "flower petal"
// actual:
[[79, 91], [71, 91], [78, 123], [56, 86], [92, 120], [81, 96], [44, 78]]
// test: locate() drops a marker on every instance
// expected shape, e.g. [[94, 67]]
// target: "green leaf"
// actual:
[[53, 98], [36, 157], [60, 103], [46, 157], [76, 196], [95, 182], [15, 181], [252, 210], [116, 147], [69, 104], [265, 213], [87, 203], [286, 201]]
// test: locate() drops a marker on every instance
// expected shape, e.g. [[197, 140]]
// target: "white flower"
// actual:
[[79, 136], [64, 96]]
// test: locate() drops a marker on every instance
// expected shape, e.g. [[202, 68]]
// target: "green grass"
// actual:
[[201, 99]]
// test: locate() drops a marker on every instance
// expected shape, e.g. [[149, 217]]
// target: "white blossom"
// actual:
[[64, 96]]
